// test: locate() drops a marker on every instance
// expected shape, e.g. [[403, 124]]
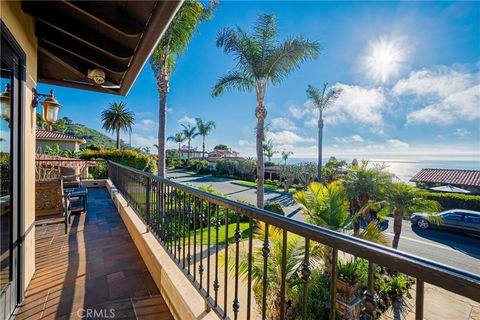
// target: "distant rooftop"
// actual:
[[53, 135], [448, 176]]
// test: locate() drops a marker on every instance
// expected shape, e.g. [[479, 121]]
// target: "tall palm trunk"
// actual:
[[163, 88], [188, 151], [203, 148], [118, 138], [179, 151], [261, 114], [320, 144], [397, 227]]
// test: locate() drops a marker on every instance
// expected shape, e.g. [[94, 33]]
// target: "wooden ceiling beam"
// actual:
[[126, 25], [55, 19], [63, 42]]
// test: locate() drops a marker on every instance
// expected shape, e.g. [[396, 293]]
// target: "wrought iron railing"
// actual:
[[182, 217]]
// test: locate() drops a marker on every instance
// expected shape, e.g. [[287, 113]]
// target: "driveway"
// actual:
[[456, 250], [238, 192]]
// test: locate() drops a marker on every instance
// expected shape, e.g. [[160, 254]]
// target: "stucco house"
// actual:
[[65, 141]]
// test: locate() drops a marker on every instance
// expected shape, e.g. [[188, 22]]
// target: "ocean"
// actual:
[[405, 169]]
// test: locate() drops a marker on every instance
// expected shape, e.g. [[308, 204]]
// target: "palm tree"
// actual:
[[295, 255], [364, 185], [204, 129], [327, 206], [117, 118], [177, 138], [403, 200], [321, 101], [261, 60], [286, 155], [268, 149], [189, 133], [171, 46]]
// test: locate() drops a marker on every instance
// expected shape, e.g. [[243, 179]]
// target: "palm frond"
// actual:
[[235, 80]]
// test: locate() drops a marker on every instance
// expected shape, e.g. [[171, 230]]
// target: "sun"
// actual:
[[385, 58]]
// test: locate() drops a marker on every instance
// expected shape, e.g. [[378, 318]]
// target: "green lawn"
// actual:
[[244, 229], [266, 186]]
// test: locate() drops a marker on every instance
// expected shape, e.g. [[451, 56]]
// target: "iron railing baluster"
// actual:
[[419, 297], [333, 284]]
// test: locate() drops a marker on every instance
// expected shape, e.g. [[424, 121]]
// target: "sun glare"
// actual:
[[385, 58]]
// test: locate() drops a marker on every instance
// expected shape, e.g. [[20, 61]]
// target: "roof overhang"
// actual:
[[114, 36], [79, 140]]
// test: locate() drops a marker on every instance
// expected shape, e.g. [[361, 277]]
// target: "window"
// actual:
[[472, 219], [452, 216]]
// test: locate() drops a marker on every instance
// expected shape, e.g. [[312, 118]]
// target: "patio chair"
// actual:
[[51, 202], [71, 176]]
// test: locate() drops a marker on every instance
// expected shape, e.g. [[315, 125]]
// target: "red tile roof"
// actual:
[[53, 135], [449, 176]]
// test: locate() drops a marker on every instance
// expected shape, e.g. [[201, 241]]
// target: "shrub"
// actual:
[[100, 170], [129, 158], [173, 163], [455, 201], [274, 207], [201, 166]]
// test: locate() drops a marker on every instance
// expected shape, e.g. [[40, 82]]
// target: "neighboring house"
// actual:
[[218, 154], [51, 138], [194, 153], [465, 179]]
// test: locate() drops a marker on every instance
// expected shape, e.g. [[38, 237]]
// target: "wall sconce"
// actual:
[[5, 100], [50, 107]]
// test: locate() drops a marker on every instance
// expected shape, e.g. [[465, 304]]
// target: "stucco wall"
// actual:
[[22, 28], [64, 145]]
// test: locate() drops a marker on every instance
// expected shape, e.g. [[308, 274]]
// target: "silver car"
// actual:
[[457, 220]]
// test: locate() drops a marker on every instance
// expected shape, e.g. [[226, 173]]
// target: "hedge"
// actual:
[[140, 161], [455, 201]]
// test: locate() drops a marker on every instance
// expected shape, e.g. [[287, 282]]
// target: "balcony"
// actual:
[[94, 268], [156, 251]]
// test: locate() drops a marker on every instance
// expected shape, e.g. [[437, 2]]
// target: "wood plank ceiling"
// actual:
[[114, 36]]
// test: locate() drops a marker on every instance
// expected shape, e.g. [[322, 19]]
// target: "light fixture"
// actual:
[[50, 107], [5, 104]]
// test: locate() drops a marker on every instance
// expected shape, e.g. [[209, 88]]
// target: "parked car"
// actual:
[[456, 220]]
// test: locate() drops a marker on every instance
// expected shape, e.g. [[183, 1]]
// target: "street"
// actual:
[[452, 249]]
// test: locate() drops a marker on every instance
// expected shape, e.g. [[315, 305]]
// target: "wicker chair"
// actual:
[[51, 202]]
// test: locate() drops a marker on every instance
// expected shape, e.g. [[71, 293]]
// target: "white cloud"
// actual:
[[188, 120], [352, 138], [447, 94], [143, 141], [312, 122], [364, 105], [287, 137], [283, 123], [463, 105], [148, 123], [246, 143], [298, 112], [461, 132], [394, 143], [441, 81]]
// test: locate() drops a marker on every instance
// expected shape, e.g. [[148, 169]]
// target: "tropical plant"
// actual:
[[295, 253], [261, 60], [403, 200], [171, 46], [220, 147], [268, 149], [333, 170], [70, 153], [177, 138], [204, 129], [55, 151], [321, 100], [286, 155], [364, 185], [41, 123], [189, 133], [327, 206], [117, 118]]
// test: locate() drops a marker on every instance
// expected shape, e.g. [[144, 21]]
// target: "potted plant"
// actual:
[[347, 279]]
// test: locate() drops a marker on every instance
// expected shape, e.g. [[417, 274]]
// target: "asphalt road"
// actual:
[[452, 249]]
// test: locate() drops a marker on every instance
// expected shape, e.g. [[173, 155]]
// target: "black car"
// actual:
[[457, 220]]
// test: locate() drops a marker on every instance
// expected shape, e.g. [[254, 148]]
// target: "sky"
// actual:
[[409, 73]]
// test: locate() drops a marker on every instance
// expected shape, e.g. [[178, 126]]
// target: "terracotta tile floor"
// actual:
[[94, 269]]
